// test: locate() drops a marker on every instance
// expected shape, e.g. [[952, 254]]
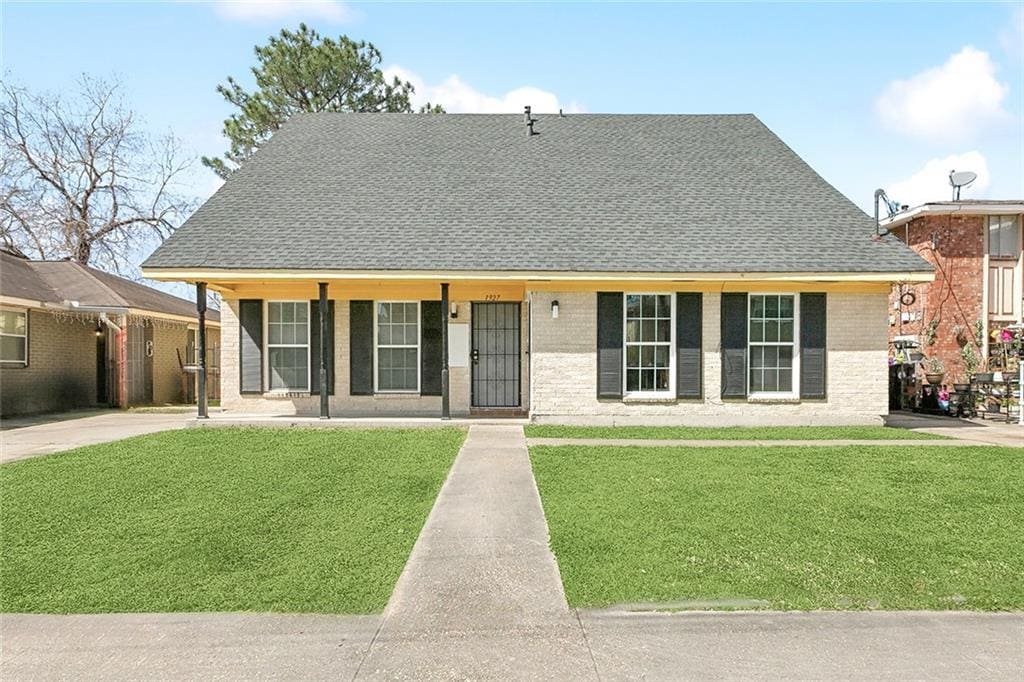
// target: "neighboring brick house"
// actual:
[[72, 336], [586, 268], [975, 247]]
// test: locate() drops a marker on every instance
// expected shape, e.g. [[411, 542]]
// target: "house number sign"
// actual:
[[492, 297]]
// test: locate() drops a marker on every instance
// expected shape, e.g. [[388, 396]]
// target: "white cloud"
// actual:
[[948, 102], [273, 10], [458, 97], [931, 182]]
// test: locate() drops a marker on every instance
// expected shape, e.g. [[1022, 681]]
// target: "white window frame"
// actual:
[[795, 392], [670, 392], [23, 311], [376, 349], [1015, 220], [267, 345]]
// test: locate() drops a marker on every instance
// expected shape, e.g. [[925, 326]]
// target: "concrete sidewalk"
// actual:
[[725, 443], [623, 646], [41, 438]]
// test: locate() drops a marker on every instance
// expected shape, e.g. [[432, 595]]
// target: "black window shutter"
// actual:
[[734, 345], [431, 319], [250, 345], [689, 311], [609, 344], [813, 356], [360, 331], [314, 347]]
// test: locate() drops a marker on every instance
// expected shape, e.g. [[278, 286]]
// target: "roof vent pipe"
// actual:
[[529, 121]]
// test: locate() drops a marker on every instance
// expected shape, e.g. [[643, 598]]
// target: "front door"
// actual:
[[495, 353]]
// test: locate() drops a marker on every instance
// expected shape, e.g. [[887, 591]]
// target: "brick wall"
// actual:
[[167, 382], [342, 404], [565, 370], [955, 245], [61, 373]]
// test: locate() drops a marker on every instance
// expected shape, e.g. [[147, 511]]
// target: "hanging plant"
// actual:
[[930, 332], [970, 359]]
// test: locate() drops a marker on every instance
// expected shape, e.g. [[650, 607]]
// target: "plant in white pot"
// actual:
[[934, 371]]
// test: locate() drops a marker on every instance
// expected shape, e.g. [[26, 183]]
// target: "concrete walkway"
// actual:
[[973, 430], [30, 437], [481, 596]]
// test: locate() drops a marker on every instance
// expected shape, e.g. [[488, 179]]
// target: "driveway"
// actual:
[[32, 436]]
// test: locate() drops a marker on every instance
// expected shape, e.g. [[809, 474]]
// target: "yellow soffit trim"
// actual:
[[225, 275]]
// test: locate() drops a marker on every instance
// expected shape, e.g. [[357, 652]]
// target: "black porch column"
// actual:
[[445, 403], [325, 393], [201, 350]]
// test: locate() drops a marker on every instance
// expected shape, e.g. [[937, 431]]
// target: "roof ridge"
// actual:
[[103, 285]]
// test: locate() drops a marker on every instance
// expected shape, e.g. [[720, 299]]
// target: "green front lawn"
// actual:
[[299, 520], [729, 433], [787, 527]]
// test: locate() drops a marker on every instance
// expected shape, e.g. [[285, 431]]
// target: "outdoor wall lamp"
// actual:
[[554, 310], [454, 310]]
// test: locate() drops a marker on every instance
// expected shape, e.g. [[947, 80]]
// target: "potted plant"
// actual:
[[934, 371]]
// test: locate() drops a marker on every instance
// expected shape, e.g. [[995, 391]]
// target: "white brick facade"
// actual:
[[562, 363]]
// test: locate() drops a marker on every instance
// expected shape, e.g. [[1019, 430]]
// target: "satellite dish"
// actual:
[[958, 179]]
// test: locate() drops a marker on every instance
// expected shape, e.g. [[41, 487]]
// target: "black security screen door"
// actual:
[[495, 354]]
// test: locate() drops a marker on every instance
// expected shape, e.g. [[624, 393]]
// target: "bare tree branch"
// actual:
[[79, 179]]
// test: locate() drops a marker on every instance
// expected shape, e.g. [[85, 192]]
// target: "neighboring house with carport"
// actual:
[[586, 268], [72, 336]]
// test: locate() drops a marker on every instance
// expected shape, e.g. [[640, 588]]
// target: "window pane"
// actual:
[[757, 331], [12, 348], [757, 357], [771, 330], [664, 330], [786, 331], [287, 312], [661, 379], [288, 368], [383, 312], [757, 306], [273, 333], [632, 306], [661, 356], [664, 306], [384, 334], [771, 380], [633, 380], [647, 380], [632, 356], [12, 322], [647, 330], [785, 356], [785, 380], [756, 383], [771, 356], [647, 306], [301, 333], [633, 330], [301, 312], [647, 356], [785, 306], [771, 306]]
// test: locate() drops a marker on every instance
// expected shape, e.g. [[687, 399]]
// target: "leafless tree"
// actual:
[[80, 179]]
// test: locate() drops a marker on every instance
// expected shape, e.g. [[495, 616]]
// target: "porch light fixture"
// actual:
[[454, 310], [554, 310]]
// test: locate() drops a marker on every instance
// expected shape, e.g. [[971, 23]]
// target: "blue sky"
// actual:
[[871, 95]]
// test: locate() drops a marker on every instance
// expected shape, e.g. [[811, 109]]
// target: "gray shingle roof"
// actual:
[[60, 281], [589, 193]]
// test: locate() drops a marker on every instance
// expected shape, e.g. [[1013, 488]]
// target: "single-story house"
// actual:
[[72, 336], [588, 268]]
